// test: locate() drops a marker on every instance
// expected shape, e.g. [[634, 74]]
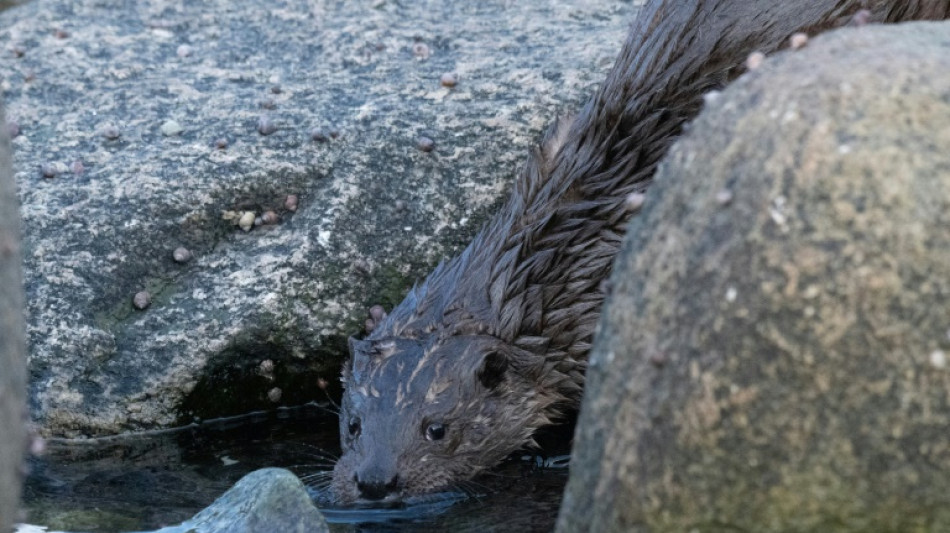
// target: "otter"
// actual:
[[493, 344]]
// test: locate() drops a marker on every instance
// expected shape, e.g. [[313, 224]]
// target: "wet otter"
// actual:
[[493, 344]]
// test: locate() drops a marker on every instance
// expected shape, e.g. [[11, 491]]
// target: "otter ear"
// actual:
[[492, 371]]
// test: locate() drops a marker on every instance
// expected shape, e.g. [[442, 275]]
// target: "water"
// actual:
[[158, 479]]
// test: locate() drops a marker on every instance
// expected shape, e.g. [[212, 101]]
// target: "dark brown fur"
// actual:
[[493, 344]]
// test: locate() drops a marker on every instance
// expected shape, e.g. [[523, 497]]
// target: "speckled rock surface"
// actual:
[[142, 129], [12, 344], [774, 358], [266, 500]]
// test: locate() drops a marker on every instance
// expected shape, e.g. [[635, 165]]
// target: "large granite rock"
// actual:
[[119, 106], [264, 501], [774, 356], [12, 344]]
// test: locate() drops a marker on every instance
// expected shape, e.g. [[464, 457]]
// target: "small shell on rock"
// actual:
[[798, 40], [369, 325], [171, 128], [274, 394], [421, 50], [938, 359], [276, 88], [291, 202], [861, 18], [634, 201], [266, 126], [266, 366], [377, 313], [449, 79], [269, 218], [362, 266], [37, 445], [110, 131], [658, 359], [142, 300], [18, 50], [711, 96], [181, 255], [184, 50], [724, 197], [317, 134], [221, 143], [754, 60], [425, 144], [267, 103], [322, 383], [246, 222], [400, 205], [61, 33], [77, 167], [51, 170], [13, 129]]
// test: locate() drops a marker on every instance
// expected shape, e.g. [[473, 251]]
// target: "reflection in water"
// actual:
[[163, 478]]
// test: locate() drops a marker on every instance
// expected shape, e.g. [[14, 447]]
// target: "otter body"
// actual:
[[493, 344]]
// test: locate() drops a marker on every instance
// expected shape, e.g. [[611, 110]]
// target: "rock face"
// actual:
[[266, 500], [145, 127], [12, 344], [774, 357]]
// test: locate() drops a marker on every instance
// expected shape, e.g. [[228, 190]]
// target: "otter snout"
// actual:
[[375, 483]]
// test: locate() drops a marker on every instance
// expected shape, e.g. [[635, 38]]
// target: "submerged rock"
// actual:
[[290, 292], [773, 358], [264, 501]]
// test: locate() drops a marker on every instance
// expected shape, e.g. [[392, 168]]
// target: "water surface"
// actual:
[[148, 481]]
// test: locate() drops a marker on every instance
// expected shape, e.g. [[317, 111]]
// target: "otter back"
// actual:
[[493, 344]]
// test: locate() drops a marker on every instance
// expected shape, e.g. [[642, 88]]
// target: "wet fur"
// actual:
[[494, 342]]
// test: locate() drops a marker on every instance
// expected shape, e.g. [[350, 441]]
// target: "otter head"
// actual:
[[421, 413]]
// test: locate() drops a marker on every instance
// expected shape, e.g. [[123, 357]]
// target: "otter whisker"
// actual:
[[320, 451], [322, 467]]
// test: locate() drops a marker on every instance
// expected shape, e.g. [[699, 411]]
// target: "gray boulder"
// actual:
[[774, 355], [264, 501], [148, 126], [12, 344]]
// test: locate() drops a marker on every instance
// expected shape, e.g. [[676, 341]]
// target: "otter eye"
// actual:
[[354, 427], [435, 431]]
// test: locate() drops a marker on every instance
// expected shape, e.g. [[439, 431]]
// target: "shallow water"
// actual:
[[162, 478]]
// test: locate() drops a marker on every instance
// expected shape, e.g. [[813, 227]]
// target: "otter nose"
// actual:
[[374, 488]]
